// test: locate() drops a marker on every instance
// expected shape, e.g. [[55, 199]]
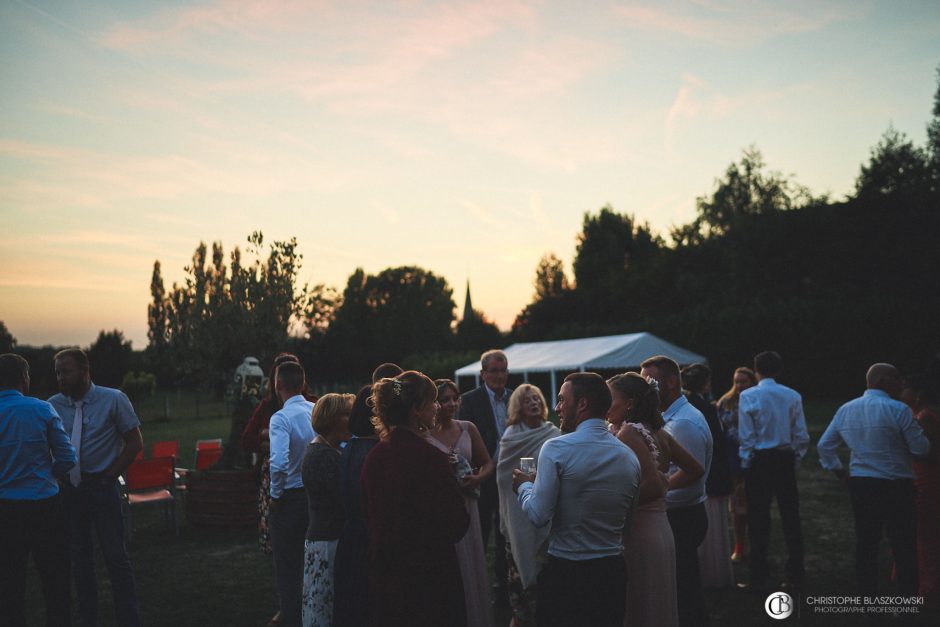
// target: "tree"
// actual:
[[896, 168], [478, 333], [222, 313], [745, 190], [7, 341], [610, 247], [933, 139], [550, 279], [109, 358], [385, 317]]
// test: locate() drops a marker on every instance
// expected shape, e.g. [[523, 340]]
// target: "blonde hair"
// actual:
[[514, 412], [328, 410], [729, 400]]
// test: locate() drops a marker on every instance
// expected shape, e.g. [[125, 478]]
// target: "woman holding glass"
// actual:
[[527, 430], [461, 442]]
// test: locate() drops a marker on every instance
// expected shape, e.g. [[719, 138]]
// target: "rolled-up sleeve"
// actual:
[[538, 500], [798, 429]]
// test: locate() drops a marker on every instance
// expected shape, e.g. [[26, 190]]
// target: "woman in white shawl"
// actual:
[[527, 430]]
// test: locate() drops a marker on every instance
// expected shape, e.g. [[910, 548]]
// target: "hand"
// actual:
[[470, 482], [519, 477]]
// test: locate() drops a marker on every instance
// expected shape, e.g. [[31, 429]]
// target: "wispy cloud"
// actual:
[[737, 23]]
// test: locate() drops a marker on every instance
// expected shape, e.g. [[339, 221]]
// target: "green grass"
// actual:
[[211, 576]]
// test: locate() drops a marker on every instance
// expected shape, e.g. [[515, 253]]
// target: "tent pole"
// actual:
[[525, 376], [554, 390], [476, 379]]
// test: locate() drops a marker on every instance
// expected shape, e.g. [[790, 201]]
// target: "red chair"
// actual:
[[151, 482], [208, 453], [166, 449]]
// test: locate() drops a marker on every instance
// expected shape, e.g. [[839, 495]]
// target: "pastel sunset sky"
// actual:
[[465, 137]]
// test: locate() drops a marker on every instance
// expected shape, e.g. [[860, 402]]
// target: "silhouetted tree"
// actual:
[[109, 357], [896, 168], [550, 279], [745, 190]]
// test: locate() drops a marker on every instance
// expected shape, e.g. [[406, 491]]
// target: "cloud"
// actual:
[[697, 100], [737, 23]]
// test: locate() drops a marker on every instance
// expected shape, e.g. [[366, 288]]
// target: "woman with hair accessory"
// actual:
[[415, 512], [320, 471], [648, 546], [527, 429], [461, 442], [744, 378]]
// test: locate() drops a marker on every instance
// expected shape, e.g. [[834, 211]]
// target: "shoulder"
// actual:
[[57, 399], [473, 394]]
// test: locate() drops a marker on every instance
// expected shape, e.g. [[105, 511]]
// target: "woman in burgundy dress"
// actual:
[[414, 511]]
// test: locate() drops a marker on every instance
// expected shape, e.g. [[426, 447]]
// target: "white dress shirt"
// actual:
[[585, 487], [770, 416], [290, 432], [689, 428], [882, 434]]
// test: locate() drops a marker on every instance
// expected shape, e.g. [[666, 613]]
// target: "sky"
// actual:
[[468, 138]]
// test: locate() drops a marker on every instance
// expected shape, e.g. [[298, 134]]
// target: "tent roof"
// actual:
[[591, 353]]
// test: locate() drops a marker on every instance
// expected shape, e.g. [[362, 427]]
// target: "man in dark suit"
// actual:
[[487, 407]]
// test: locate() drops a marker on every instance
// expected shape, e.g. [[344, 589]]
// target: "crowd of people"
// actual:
[[378, 507]]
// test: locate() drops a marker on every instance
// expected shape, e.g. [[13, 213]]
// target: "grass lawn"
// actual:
[[209, 576]]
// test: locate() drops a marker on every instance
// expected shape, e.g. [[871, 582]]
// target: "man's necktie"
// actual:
[[75, 475]]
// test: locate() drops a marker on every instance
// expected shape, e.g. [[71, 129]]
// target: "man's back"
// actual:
[[882, 434], [586, 483], [770, 416]]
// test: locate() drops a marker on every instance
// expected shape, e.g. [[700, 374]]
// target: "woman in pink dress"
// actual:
[[648, 546], [461, 441]]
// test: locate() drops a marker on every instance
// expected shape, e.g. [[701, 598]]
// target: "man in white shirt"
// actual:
[[883, 436], [291, 431], [685, 506], [586, 485], [773, 435]]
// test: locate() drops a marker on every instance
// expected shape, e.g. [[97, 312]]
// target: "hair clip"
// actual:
[[653, 383], [396, 388]]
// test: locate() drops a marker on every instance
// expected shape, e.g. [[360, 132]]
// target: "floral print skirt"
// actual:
[[318, 582], [264, 508]]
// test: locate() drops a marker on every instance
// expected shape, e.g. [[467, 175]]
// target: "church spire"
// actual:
[[467, 305]]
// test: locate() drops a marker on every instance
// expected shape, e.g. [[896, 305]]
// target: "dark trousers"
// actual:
[[689, 526], [773, 474], [37, 528], [586, 592], [488, 506], [879, 505], [94, 509], [288, 531]]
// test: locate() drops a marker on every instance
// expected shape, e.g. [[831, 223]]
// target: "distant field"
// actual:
[[219, 576]]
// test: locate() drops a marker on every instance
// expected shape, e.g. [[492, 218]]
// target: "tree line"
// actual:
[[765, 264]]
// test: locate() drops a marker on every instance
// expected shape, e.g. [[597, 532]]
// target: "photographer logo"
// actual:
[[779, 605]]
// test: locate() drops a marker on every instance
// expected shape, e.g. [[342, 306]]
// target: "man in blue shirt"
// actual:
[[883, 436], [585, 487], [105, 431], [773, 436], [685, 507], [291, 431], [31, 516]]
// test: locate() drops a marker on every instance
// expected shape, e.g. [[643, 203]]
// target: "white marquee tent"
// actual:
[[612, 352]]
